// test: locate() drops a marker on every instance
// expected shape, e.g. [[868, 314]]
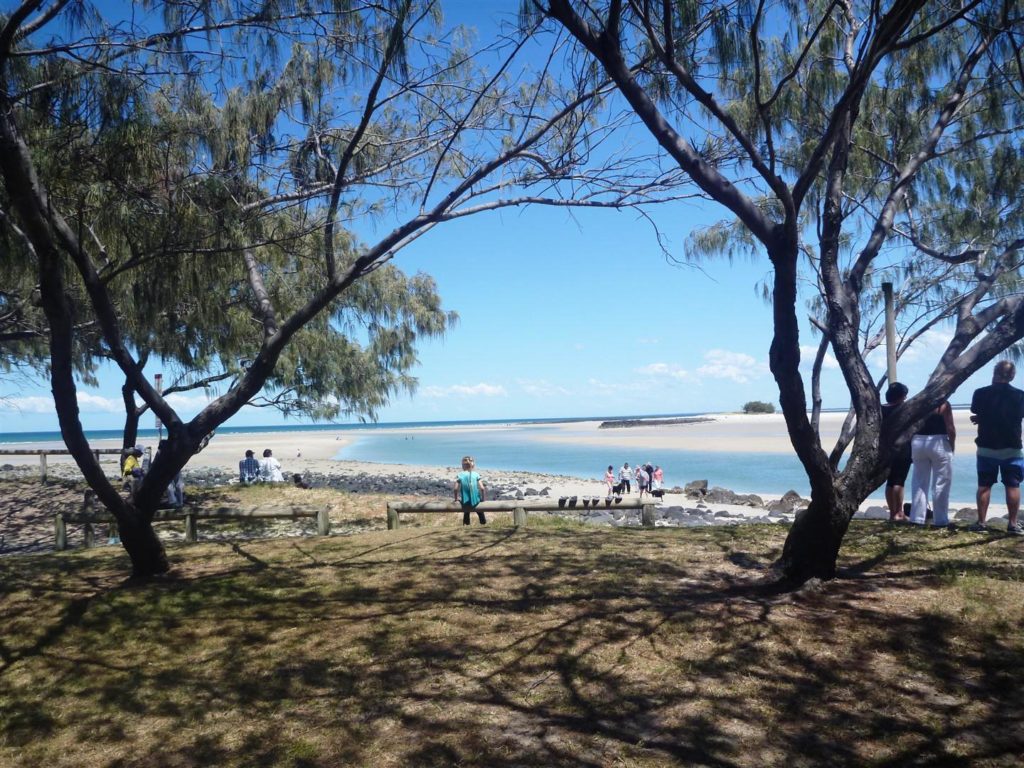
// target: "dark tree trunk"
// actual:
[[812, 546], [131, 420], [143, 546]]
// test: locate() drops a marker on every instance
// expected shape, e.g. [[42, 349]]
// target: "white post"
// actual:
[[890, 333]]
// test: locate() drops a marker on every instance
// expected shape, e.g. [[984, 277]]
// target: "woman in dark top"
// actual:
[[899, 466], [932, 452]]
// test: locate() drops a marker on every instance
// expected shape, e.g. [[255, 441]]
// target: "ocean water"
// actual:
[[524, 448], [521, 445]]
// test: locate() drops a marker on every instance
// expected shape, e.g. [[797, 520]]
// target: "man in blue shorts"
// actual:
[[998, 410]]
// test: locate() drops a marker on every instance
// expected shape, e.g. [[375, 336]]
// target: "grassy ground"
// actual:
[[545, 646]]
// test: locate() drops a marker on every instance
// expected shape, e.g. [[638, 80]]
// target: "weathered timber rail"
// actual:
[[519, 509], [42, 453], [190, 516]]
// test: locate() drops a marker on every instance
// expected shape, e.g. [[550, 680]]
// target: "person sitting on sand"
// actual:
[[609, 479], [470, 490], [270, 468], [248, 469]]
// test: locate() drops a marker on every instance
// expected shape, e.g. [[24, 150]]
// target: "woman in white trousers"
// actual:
[[932, 451]]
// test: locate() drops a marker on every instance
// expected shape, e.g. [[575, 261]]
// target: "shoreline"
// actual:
[[313, 451]]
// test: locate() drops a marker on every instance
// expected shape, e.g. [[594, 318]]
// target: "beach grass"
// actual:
[[548, 645]]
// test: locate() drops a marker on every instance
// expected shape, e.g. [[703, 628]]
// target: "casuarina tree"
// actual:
[[203, 183], [849, 143]]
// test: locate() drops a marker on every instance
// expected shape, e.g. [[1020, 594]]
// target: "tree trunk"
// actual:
[[812, 547], [143, 546], [131, 417]]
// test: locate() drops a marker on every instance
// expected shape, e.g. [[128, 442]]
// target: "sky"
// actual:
[[562, 314]]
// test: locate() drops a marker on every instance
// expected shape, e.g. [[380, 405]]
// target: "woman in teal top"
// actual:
[[470, 490]]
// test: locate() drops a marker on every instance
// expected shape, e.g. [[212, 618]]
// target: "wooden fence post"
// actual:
[[518, 516], [191, 530], [392, 518], [60, 533], [42, 467], [90, 535], [647, 515], [323, 522]]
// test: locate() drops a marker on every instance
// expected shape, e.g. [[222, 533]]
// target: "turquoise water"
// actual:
[[519, 445], [525, 449]]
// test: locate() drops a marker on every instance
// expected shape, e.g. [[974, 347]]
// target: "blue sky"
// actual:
[[561, 314]]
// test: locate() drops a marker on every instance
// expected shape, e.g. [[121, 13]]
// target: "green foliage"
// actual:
[[758, 406], [170, 176]]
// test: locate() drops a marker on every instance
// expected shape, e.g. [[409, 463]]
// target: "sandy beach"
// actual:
[[313, 451]]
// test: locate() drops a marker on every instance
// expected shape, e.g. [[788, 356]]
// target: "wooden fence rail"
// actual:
[[42, 453], [190, 516], [518, 508]]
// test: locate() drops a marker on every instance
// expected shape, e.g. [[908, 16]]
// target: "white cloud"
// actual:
[[735, 366], [190, 401], [462, 390], [87, 403], [615, 388], [542, 388], [808, 353], [668, 370], [928, 347]]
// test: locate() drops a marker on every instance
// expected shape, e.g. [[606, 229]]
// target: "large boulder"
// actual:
[[790, 502], [696, 489], [724, 496]]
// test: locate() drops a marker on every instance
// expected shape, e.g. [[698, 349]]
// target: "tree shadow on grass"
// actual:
[[510, 647]]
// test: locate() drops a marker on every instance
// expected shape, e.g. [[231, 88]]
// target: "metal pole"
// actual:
[[159, 380], [890, 332]]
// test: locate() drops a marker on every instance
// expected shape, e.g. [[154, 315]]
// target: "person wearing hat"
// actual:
[[249, 469], [133, 464]]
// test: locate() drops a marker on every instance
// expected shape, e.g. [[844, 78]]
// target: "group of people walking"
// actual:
[[997, 410], [648, 478]]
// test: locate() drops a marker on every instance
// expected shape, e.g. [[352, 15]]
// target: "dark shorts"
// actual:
[[898, 471], [1011, 470]]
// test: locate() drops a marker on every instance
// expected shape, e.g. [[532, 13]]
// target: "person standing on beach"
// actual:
[[657, 478], [609, 479], [997, 410], [932, 453], [899, 466], [643, 480], [625, 477], [470, 490]]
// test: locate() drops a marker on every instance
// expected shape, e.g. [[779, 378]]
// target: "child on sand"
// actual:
[[470, 490]]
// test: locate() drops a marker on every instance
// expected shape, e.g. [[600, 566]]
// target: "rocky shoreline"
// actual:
[[26, 512]]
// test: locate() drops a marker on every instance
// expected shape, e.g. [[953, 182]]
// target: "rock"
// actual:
[[675, 514], [696, 489], [966, 513], [718, 495], [873, 513], [531, 492], [601, 518], [788, 503]]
